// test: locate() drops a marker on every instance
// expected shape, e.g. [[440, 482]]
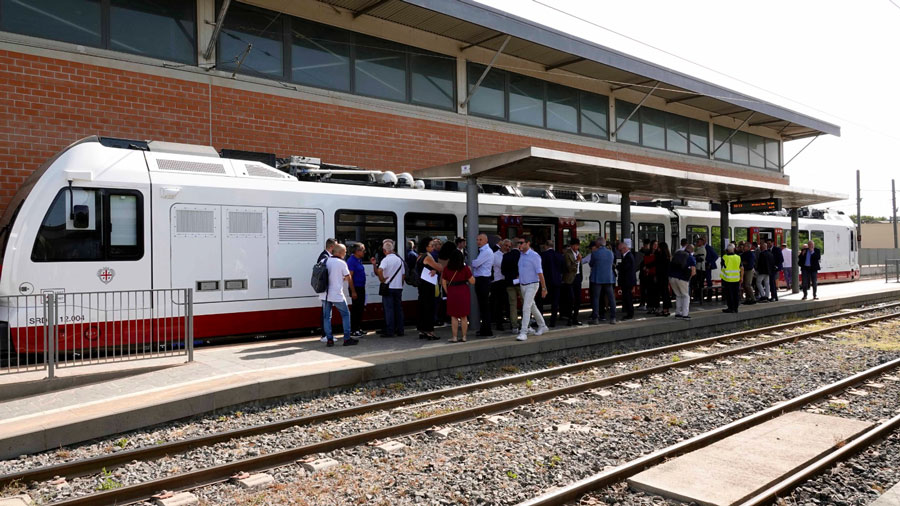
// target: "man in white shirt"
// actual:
[[390, 271], [481, 267], [323, 256], [338, 273], [788, 266]]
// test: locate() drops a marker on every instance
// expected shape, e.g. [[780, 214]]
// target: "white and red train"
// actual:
[[108, 215]]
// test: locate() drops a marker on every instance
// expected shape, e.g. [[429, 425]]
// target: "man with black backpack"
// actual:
[[317, 273]]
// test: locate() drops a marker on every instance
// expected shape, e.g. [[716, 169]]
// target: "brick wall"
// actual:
[[46, 104]]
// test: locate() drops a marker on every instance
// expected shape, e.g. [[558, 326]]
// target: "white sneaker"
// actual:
[[521, 337], [324, 339], [541, 330]]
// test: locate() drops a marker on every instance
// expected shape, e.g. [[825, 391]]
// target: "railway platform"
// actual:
[[97, 401]]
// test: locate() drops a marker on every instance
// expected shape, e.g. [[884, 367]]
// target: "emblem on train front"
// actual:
[[106, 275]]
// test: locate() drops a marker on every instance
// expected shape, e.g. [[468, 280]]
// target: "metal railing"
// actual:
[[56, 329], [895, 263]]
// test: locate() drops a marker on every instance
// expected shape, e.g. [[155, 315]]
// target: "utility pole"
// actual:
[[858, 211], [894, 207]]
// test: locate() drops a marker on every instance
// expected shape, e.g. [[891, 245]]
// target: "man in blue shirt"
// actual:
[[531, 275], [603, 279], [358, 272], [481, 269]]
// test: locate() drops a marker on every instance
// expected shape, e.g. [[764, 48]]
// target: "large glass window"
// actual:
[[588, 232], [630, 130], [818, 238], [433, 80], [75, 228], [368, 227], [695, 232], [562, 108], [490, 98], [160, 29], [380, 68], [721, 143], [594, 115], [757, 151], [699, 138], [740, 152], [773, 154], [260, 31], [164, 29], [75, 21], [652, 231], [653, 128], [416, 226], [740, 234], [320, 55], [526, 100], [613, 231], [677, 133]]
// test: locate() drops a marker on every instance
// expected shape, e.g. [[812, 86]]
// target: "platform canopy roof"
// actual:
[[560, 169], [474, 24]]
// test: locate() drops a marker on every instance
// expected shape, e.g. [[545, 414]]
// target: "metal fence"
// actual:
[[892, 264], [877, 256], [57, 329]]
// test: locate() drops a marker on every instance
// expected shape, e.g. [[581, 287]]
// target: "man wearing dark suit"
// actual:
[[779, 266], [571, 279], [809, 268], [627, 279], [552, 264]]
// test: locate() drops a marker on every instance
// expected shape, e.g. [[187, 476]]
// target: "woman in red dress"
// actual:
[[456, 279]]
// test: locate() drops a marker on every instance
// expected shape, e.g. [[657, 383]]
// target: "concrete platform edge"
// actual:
[[399, 365]]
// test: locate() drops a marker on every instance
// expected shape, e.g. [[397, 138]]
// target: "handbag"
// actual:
[[384, 289]]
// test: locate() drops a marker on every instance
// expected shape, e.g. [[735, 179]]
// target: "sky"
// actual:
[[831, 59]]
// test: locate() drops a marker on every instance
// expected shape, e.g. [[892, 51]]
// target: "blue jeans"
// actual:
[[393, 312], [345, 319], [598, 305]]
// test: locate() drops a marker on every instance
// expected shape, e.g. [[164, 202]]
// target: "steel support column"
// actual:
[[471, 246], [724, 234], [795, 251], [626, 216]]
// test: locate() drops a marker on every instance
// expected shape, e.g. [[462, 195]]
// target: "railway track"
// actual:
[[574, 491], [223, 472]]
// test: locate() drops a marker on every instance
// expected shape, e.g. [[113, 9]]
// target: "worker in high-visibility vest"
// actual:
[[732, 272]]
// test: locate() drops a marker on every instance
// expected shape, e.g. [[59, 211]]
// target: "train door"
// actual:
[[753, 234], [779, 236], [567, 229], [509, 226]]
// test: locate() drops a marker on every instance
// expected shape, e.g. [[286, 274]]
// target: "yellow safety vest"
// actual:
[[731, 268]]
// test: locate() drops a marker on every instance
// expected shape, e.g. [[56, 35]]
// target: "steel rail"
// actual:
[[860, 443], [575, 490], [223, 472], [95, 464]]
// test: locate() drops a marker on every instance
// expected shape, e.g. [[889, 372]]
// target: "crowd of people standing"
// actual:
[[541, 277]]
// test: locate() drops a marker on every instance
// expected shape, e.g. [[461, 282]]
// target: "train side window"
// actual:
[[439, 226], [588, 232], [652, 231], [368, 227], [740, 234], [126, 227], [803, 236], [852, 240], [818, 238], [695, 232], [614, 234], [715, 239], [59, 240]]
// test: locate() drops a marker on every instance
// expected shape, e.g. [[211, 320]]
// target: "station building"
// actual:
[[396, 85]]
